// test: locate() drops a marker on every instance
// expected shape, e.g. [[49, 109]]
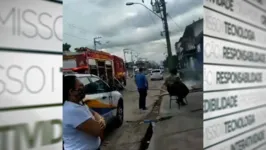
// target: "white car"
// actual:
[[103, 99], [156, 74]]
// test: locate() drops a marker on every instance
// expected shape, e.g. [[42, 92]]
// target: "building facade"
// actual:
[[189, 48]]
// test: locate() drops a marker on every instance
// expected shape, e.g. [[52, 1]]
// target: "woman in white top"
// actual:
[[81, 126]]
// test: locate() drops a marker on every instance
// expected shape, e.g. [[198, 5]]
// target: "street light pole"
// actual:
[[132, 3], [160, 6]]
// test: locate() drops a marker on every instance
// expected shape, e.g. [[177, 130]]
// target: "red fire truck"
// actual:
[[120, 69], [70, 63], [96, 62]]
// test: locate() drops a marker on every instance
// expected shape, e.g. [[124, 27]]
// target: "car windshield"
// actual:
[[156, 71], [84, 80]]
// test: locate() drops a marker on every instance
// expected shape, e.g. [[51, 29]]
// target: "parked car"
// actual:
[[162, 69], [102, 98], [156, 74]]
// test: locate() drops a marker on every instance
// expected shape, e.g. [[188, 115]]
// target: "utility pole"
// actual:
[[159, 9], [132, 63], [167, 36], [137, 56], [132, 57], [95, 41], [124, 55]]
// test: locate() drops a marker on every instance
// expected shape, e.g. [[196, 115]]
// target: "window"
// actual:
[[93, 85], [84, 80], [98, 86], [156, 71], [88, 86]]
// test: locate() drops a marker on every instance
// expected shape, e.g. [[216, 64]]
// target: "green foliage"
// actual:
[[66, 47]]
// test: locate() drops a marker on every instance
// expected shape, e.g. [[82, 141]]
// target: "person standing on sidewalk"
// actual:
[[142, 85]]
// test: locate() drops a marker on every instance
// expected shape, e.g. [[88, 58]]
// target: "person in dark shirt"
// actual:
[[142, 85], [174, 85]]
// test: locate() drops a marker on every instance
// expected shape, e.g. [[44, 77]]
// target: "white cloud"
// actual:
[[132, 27]]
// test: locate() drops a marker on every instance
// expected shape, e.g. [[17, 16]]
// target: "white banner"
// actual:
[[259, 4], [30, 79], [222, 103], [240, 9], [222, 128], [33, 129], [234, 74], [218, 25], [31, 24], [223, 52], [252, 140], [223, 78]]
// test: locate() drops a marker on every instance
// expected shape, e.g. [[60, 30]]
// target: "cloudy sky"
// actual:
[[132, 27]]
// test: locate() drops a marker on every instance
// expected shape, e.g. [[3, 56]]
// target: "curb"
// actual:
[[145, 142]]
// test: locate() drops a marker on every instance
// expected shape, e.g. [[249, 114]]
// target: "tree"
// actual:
[[165, 64], [81, 49], [175, 61], [66, 47], [153, 64]]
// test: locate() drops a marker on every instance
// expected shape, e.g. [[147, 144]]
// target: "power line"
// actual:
[[75, 26], [76, 36], [152, 18], [173, 21]]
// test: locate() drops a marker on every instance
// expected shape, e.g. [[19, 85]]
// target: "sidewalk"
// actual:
[[131, 110], [131, 96], [184, 130], [129, 136]]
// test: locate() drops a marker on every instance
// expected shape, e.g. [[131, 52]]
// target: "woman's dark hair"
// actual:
[[140, 69], [68, 84], [173, 71]]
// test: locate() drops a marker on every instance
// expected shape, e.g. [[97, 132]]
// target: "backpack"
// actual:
[[178, 88]]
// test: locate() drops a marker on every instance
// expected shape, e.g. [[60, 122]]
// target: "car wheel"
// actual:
[[119, 113]]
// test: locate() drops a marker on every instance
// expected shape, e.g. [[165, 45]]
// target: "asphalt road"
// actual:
[[129, 135]]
